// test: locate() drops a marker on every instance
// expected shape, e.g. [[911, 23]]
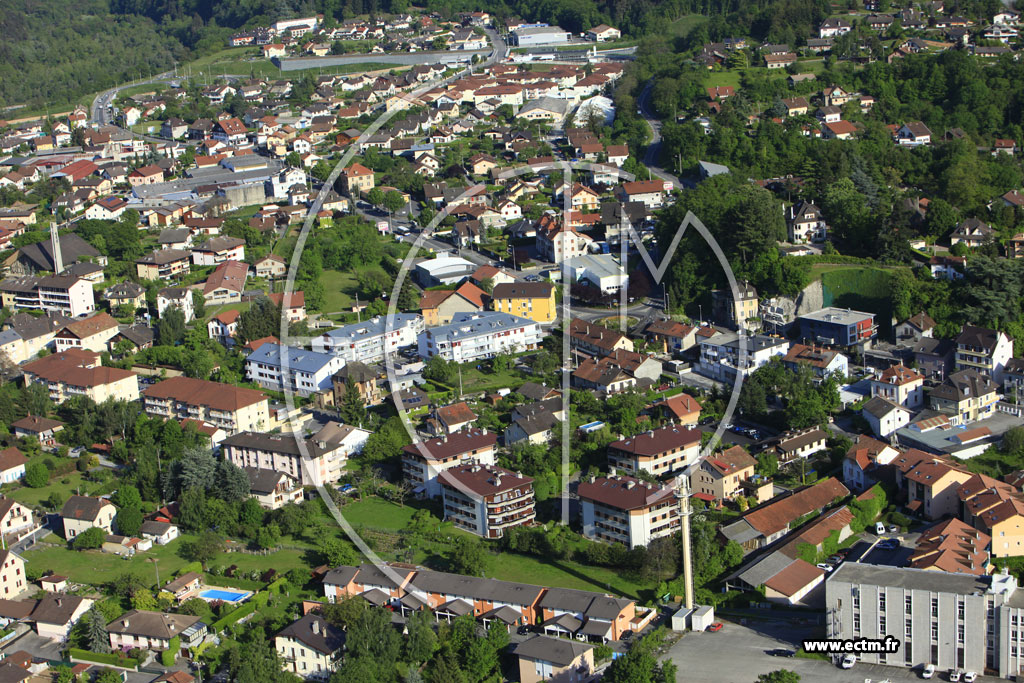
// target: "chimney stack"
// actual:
[[316, 626]]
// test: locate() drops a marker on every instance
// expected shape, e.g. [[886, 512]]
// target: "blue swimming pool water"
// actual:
[[226, 596]]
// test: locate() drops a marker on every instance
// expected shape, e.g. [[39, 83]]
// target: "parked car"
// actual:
[[928, 671], [716, 627], [879, 528], [848, 661], [781, 652], [970, 677], [523, 630], [893, 529], [955, 675], [825, 567], [835, 559]]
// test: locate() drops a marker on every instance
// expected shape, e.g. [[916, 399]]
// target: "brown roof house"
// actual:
[[81, 513]]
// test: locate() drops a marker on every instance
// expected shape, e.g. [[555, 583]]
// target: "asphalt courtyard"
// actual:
[[737, 654]]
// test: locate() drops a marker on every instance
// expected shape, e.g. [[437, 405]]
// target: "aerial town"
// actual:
[[355, 342]]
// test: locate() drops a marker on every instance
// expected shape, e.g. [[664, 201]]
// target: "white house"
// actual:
[[176, 297]]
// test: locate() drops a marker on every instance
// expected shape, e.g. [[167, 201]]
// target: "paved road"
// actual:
[[654, 149], [395, 58]]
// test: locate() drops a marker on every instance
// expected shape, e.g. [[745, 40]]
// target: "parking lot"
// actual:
[[738, 653]]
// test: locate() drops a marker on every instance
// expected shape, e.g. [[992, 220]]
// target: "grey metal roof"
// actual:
[[555, 650], [766, 568], [913, 579]]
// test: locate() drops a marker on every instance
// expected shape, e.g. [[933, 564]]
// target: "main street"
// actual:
[[654, 148]]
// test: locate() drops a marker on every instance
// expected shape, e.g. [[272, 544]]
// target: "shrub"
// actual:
[[90, 538]]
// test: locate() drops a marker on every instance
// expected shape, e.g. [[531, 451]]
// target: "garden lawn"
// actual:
[[95, 567], [374, 512], [67, 485], [339, 290], [562, 574]]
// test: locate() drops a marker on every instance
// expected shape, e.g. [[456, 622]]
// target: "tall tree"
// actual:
[[96, 636]]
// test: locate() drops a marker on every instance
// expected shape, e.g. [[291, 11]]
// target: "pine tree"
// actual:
[[352, 408], [96, 632]]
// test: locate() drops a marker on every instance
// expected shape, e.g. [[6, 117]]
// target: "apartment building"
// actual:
[[994, 507], [735, 312], [310, 647], [721, 475], [952, 546], [90, 334], [476, 336], [626, 510], [864, 462], [532, 300], [423, 461], [932, 485], [323, 461], [357, 179], [73, 296], [368, 342], [838, 327], [163, 264], [218, 250], [722, 355], [281, 368], [984, 351], [229, 407], [662, 452], [486, 500], [176, 297], [78, 372], [965, 396], [951, 620]]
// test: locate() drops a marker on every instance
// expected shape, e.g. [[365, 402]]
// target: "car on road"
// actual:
[[781, 652], [824, 567], [848, 661], [928, 671], [716, 627]]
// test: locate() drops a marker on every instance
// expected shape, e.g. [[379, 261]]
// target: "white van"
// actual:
[[879, 528]]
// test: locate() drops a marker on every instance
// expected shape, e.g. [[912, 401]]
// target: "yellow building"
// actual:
[[532, 300], [229, 407]]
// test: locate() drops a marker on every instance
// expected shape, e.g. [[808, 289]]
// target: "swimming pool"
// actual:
[[224, 594]]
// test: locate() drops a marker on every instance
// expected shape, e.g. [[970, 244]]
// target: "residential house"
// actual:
[[800, 443], [41, 428], [146, 630], [932, 487], [226, 283], [439, 306], [721, 476], [900, 385], [91, 334], [77, 372], [273, 489], [318, 460], [865, 461], [310, 647], [81, 513]]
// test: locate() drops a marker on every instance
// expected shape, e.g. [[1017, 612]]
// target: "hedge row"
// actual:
[[100, 658], [232, 617]]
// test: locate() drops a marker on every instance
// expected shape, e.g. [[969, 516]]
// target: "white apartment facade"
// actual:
[[628, 511], [473, 336], [369, 341]]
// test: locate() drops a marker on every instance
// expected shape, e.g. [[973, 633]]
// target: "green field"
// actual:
[[562, 574], [339, 290], [94, 567], [378, 513], [66, 485]]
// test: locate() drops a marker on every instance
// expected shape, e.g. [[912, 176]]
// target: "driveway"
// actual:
[[737, 653], [35, 645]]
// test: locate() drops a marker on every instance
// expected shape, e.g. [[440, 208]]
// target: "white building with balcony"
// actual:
[[473, 336]]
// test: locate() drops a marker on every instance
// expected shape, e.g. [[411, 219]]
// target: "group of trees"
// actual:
[[806, 401]]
